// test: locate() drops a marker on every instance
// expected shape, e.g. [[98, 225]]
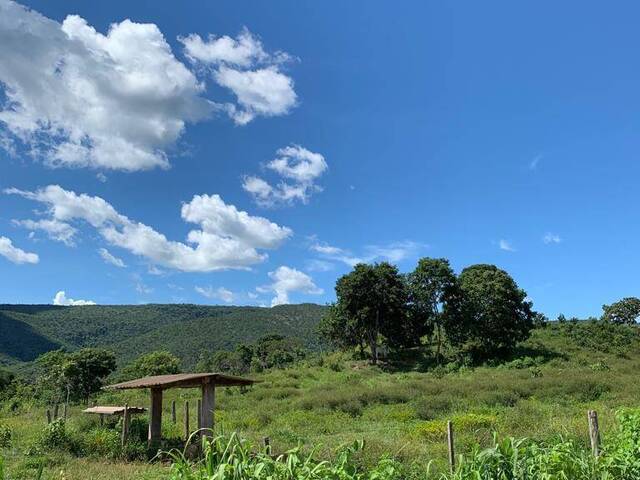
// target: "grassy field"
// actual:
[[399, 408]]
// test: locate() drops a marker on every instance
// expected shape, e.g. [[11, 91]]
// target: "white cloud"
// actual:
[[551, 238], [266, 92], [61, 299], [111, 259], [506, 246], [299, 168], [143, 289], [316, 265], [227, 238], [55, 230], [79, 98], [245, 50], [244, 67], [219, 293], [393, 252], [287, 280], [15, 254]]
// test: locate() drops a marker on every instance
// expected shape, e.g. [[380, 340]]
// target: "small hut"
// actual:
[[207, 382]]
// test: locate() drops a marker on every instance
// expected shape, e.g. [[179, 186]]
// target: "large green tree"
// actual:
[[625, 311], [152, 363], [430, 286], [490, 314], [77, 375], [86, 369], [371, 303]]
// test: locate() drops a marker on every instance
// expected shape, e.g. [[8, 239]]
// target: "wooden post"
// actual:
[[55, 411], [594, 432], [208, 406], [173, 411], [155, 420], [199, 412], [48, 416], [452, 454], [64, 412], [125, 424], [187, 431], [101, 420]]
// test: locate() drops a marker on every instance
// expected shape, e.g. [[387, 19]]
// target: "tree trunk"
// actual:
[[373, 339]]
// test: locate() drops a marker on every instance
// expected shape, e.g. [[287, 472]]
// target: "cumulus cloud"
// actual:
[[111, 259], [55, 230], [244, 67], [227, 238], [550, 238], [506, 246], [219, 293], [62, 299], [79, 98], [299, 170], [287, 280], [15, 254], [392, 252]]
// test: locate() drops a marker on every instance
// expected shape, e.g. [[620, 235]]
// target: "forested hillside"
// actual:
[[27, 331]]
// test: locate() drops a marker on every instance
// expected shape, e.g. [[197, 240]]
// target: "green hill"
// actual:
[[27, 331]]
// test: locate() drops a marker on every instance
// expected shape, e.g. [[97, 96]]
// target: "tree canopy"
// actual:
[[490, 314], [371, 303], [76, 375], [482, 312], [152, 363], [430, 286], [625, 311]]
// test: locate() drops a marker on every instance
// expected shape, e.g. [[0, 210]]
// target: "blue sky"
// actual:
[[250, 152]]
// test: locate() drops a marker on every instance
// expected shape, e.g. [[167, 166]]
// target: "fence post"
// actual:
[[173, 411], [48, 416], [594, 432], [125, 424], [452, 453], [186, 420], [55, 411], [64, 412]]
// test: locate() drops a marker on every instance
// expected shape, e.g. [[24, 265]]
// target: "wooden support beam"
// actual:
[[208, 406], [594, 432], [126, 417], [173, 411], [187, 431], [199, 412], [155, 418], [450, 447]]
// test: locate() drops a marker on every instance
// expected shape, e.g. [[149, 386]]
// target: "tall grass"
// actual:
[[232, 458]]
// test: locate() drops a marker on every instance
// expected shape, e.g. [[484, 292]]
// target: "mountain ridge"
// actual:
[[27, 331]]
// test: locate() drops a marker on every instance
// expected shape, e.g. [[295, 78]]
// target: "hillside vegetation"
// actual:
[[399, 408], [185, 330]]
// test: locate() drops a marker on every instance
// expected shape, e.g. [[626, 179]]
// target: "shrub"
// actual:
[[5, 437], [56, 437]]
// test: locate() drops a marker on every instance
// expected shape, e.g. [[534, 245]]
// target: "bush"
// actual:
[[5, 436], [56, 437]]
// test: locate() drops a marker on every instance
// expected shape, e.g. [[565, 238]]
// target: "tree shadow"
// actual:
[[29, 309], [19, 340], [422, 359]]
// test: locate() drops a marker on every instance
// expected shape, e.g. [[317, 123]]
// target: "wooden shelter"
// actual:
[[207, 382], [109, 410]]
